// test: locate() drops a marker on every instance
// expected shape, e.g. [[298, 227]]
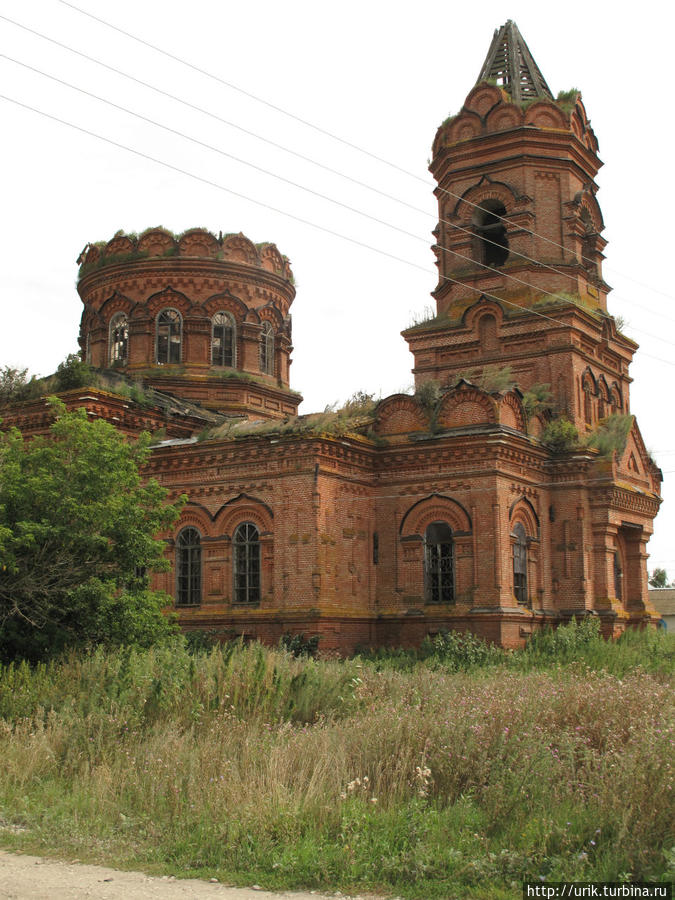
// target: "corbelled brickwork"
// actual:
[[466, 506]]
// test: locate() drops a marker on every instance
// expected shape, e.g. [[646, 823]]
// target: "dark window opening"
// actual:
[[168, 337], [246, 546], [189, 568], [490, 227], [267, 349], [119, 339], [223, 340], [520, 565], [618, 576], [439, 563], [376, 548]]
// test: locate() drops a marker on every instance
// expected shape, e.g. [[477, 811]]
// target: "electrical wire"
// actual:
[[362, 184], [295, 184], [281, 178], [296, 218], [318, 128]]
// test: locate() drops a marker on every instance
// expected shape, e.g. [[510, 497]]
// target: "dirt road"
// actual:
[[32, 878]]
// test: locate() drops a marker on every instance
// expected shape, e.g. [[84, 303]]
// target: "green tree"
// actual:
[[77, 536], [73, 372], [15, 386], [659, 578]]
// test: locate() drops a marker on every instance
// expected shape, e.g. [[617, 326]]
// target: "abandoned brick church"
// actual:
[[469, 505]]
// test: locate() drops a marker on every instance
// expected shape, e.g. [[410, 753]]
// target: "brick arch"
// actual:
[[399, 414], [225, 302], [244, 508], [603, 389], [587, 202], [503, 117], [167, 298], [435, 508], [545, 114], [271, 259], [271, 314], [115, 303], [482, 98], [91, 318], [121, 243], [615, 395], [465, 127], [523, 511], [485, 190], [238, 248], [483, 306], [196, 516], [198, 242], [156, 242], [466, 406], [589, 382], [511, 411]]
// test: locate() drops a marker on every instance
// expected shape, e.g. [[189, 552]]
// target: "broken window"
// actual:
[[189, 568], [618, 576], [246, 555], [223, 340], [169, 334], [119, 339], [520, 564], [489, 226], [267, 349], [439, 567]]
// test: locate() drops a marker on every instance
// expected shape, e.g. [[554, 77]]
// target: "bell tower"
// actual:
[[519, 242], [521, 310]]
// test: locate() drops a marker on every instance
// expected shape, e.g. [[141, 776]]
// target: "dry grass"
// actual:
[[250, 764]]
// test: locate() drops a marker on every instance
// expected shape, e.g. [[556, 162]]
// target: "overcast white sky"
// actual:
[[381, 75]]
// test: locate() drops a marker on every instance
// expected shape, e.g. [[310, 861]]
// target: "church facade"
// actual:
[[512, 490]]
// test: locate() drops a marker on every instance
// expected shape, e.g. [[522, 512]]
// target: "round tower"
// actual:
[[203, 317]]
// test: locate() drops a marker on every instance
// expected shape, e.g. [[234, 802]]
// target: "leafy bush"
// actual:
[[73, 372], [610, 435], [427, 394], [536, 399], [15, 386], [560, 435], [76, 524], [298, 645]]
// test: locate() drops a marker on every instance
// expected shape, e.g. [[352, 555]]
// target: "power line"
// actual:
[[296, 218], [319, 129], [210, 114], [265, 171], [262, 138], [295, 184]]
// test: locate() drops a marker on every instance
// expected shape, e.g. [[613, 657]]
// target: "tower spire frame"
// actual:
[[510, 63]]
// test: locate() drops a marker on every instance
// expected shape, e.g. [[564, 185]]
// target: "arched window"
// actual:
[[618, 576], [246, 544], [188, 568], [487, 330], [520, 564], [223, 335], [589, 389], [169, 334], [615, 397], [119, 339], [489, 225], [267, 349], [439, 563]]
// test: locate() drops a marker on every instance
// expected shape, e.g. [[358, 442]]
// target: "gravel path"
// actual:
[[32, 878]]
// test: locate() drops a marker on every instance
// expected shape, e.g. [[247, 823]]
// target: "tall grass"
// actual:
[[436, 781]]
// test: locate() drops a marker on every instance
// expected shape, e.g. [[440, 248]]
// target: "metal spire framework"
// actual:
[[510, 63]]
